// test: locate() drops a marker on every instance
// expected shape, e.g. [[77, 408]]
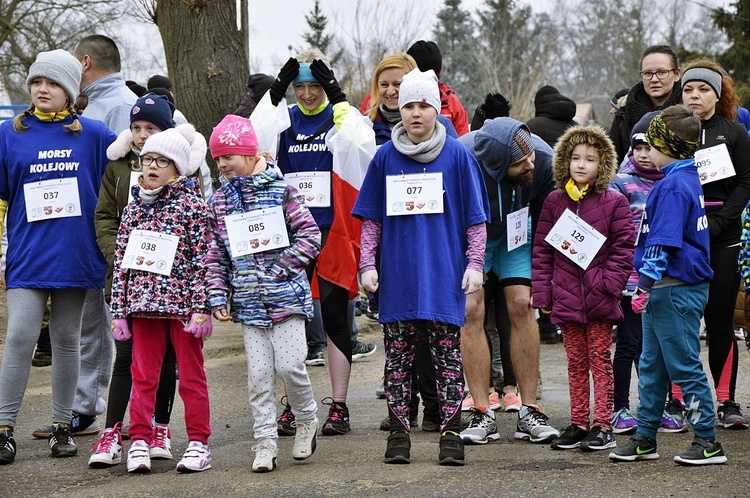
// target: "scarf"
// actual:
[[51, 116], [639, 103], [423, 152], [652, 174], [391, 118], [150, 196], [574, 192]]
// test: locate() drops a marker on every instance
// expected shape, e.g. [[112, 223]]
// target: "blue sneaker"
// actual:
[[623, 422]]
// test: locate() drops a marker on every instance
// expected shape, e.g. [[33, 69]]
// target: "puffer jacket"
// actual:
[[179, 210], [575, 295], [268, 287]]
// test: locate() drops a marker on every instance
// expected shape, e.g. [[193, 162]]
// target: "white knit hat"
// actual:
[[418, 86], [59, 66], [182, 144]]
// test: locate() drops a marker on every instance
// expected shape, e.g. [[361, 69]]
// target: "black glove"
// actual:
[[283, 80], [327, 80]]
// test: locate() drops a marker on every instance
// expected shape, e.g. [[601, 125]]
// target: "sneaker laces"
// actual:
[[303, 428], [61, 435], [478, 418], [536, 419], [262, 450], [159, 437], [107, 439], [336, 411]]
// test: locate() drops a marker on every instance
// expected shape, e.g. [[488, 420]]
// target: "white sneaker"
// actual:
[[161, 443], [265, 455], [482, 428], [107, 450], [196, 458], [305, 439], [138, 459]]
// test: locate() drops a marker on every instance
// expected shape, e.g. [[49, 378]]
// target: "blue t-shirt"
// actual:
[[676, 219], [54, 253], [423, 256], [302, 147]]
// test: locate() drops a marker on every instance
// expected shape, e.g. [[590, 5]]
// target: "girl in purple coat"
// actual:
[[583, 254]]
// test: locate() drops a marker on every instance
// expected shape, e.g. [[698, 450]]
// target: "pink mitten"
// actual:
[[640, 301], [200, 326], [120, 329]]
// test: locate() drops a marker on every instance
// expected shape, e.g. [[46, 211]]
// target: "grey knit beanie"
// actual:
[[59, 66]]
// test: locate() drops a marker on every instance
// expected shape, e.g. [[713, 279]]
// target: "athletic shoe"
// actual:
[[599, 438], [61, 443], [429, 425], [315, 358], [534, 426], [338, 419], [398, 448], [197, 458], [362, 350], [467, 404], [637, 448], [7, 446], [305, 439], [373, 316], [385, 425], [138, 457], [361, 305], [160, 446], [380, 391], [511, 402], [41, 358], [570, 438], [451, 449], [125, 432], [623, 422], [702, 452], [673, 418], [482, 428], [730, 416], [265, 456], [80, 425], [495, 402], [107, 450], [285, 423]]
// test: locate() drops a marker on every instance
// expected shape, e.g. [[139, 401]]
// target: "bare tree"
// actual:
[[28, 27]]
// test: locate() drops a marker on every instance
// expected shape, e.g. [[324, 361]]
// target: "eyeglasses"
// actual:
[[161, 162], [660, 74]]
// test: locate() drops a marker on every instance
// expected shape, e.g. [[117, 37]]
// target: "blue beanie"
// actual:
[[304, 74], [155, 109]]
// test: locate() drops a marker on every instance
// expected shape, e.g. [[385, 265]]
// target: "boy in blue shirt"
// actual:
[[672, 259]]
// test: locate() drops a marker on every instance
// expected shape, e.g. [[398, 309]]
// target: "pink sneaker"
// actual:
[[495, 403], [467, 404], [160, 446], [511, 402]]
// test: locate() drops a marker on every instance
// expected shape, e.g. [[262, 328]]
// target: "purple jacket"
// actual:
[[575, 295]]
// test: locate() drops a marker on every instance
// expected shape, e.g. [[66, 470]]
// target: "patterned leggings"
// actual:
[[445, 345], [587, 346]]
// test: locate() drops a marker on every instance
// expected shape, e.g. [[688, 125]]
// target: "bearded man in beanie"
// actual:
[[518, 173], [428, 56]]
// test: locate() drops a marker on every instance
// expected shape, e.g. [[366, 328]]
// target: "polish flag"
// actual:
[[352, 146]]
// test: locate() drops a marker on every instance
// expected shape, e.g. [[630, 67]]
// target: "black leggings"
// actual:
[[719, 317], [494, 295], [122, 383]]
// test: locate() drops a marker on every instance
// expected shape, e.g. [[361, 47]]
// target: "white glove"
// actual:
[[370, 280], [472, 281]]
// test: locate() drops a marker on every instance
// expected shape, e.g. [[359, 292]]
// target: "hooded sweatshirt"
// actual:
[[554, 114]]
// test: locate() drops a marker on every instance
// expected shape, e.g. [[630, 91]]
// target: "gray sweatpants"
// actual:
[[25, 311], [97, 355]]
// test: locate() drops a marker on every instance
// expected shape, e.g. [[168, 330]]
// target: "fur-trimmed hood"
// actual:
[[590, 135]]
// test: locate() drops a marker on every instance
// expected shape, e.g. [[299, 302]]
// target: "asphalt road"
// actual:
[[352, 465]]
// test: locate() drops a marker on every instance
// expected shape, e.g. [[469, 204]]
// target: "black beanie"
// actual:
[[258, 84], [159, 81], [427, 56]]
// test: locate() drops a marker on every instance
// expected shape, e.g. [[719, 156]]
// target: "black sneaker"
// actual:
[[284, 426], [315, 358], [362, 349], [398, 448], [337, 422], [429, 425], [730, 416], [570, 438], [599, 438], [80, 425], [702, 452], [637, 448], [7, 446], [451, 449], [61, 443], [43, 354], [385, 424], [373, 316]]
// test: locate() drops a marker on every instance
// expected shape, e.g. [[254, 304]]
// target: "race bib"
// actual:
[[52, 199], [150, 251], [518, 228], [575, 238], [256, 231], [420, 193], [315, 186], [714, 164]]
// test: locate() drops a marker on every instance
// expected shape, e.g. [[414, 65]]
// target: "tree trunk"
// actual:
[[206, 58]]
